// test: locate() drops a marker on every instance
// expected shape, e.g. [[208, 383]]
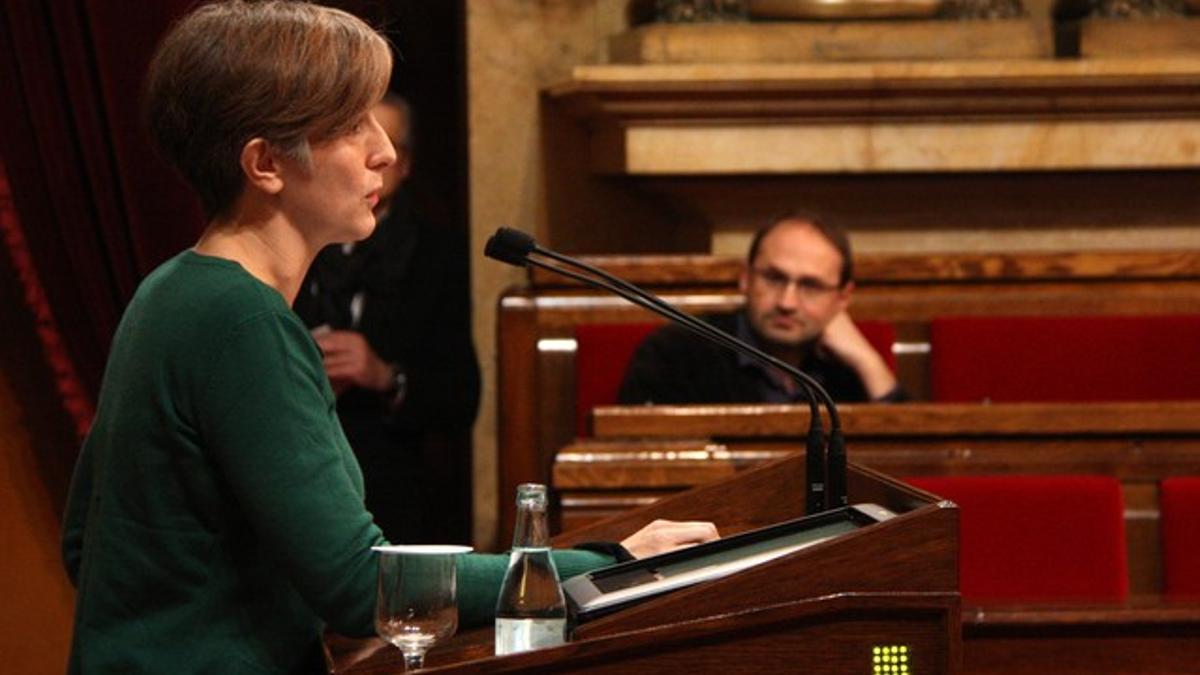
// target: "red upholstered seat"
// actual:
[[1037, 537], [1180, 529], [1076, 358], [882, 336], [603, 351]]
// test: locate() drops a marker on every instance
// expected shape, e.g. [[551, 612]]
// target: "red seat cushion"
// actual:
[[1084, 358], [1037, 537], [603, 352], [882, 336], [1180, 529]]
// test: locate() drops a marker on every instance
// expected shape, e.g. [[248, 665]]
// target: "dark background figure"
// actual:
[[392, 316]]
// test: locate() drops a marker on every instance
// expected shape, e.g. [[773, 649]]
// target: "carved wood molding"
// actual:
[[877, 117], [870, 269], [926, 419], [1137, 610], [964, 89]]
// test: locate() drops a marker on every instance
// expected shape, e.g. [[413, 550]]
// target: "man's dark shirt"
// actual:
[[675, 366]]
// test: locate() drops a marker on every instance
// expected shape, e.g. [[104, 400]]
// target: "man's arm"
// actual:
[[850, 346], [351, 362], [416, 324]]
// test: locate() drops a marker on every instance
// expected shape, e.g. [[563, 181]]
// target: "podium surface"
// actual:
[[881, 599]]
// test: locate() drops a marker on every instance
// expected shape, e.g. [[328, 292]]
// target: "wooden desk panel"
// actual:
[[826, 606], [1144, 634], [638, 455], [1133, 419]]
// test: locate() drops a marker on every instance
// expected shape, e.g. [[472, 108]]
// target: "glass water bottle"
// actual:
[[531, 612]]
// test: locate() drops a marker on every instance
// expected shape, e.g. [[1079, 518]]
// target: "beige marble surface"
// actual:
[[947, 75], [855, 40], [1012, 115], [515, 48], [836, 147], [735, 242], [1117, 38]]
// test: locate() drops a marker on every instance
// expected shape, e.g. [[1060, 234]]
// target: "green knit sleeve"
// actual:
[[480, 575]]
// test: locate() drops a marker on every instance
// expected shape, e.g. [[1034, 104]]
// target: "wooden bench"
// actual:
[[1180, 513], [638, 454], [537, 322]]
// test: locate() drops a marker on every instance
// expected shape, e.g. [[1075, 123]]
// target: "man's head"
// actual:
[[395, 116], [798, 277], [290, 73]]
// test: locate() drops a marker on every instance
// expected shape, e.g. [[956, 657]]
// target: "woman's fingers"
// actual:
[[662, 536]]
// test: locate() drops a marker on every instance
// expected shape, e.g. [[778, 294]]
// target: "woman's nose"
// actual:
[[384, 153]]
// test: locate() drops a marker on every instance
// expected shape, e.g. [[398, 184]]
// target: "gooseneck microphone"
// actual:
[[518, 248]]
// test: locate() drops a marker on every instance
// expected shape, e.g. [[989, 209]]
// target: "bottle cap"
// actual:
[[532, 495]]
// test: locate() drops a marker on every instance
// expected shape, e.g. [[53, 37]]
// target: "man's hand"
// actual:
[[662, 536], [847, 343], [350, 362]]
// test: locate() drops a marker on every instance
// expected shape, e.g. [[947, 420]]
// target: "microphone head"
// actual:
[[510, 246]]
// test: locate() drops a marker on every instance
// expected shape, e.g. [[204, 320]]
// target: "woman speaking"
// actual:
[[216, 521]]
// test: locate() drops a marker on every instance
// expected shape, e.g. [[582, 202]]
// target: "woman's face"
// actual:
[[333, 201]]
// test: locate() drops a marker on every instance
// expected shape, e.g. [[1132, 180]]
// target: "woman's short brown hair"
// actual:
[[287, 72]]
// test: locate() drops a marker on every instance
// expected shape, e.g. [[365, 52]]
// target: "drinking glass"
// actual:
[[415, 606]]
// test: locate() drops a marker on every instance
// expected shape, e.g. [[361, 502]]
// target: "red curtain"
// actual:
[[97, 207]]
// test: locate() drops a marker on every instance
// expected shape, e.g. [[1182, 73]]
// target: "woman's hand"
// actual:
[[662, 536]]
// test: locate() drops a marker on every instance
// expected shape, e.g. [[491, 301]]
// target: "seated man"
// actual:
[[797, 282]]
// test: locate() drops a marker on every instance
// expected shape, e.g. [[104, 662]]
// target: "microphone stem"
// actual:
[[805, 380], [820, 495]]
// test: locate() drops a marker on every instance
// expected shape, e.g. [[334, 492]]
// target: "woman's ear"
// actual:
[[262, 166]]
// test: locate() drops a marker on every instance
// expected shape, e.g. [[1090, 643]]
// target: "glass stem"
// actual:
[[414, 660]]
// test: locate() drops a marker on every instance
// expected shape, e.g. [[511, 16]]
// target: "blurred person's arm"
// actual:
[[850, 346]]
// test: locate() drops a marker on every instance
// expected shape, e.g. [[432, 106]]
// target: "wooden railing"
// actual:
[[640, 453]]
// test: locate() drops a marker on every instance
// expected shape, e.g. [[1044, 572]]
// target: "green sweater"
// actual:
[[216, 521]]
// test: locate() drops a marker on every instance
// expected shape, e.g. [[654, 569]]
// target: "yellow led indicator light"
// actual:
[[890, 660]]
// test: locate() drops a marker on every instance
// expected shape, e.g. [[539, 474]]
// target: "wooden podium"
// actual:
[[883, 599]]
